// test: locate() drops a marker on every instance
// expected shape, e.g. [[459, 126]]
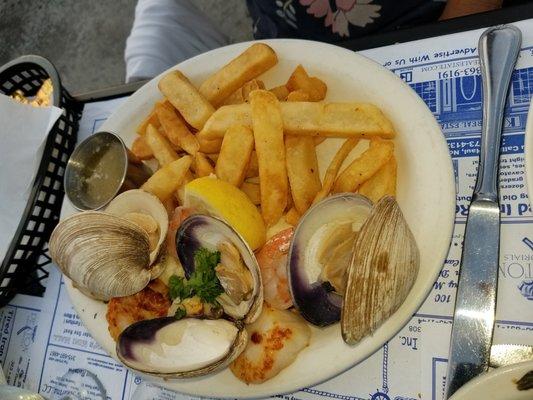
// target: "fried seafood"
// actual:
[[151, 302]]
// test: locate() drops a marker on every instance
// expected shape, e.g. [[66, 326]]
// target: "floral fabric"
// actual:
[[336, 20]]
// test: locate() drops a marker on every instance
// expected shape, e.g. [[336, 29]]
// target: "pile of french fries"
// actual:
[[262, 140]]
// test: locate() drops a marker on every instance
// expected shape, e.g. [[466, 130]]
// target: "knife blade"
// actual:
[[476, 292], [507, 354]]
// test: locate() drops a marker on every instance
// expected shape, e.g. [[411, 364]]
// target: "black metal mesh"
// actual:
[[22, 268]]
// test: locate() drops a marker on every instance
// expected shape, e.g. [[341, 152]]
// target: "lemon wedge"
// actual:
[[222, 199]]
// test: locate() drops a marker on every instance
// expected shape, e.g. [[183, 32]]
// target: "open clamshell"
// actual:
[[202, 231], [192, 347], [145, 210], [320, 254], [184, 348]]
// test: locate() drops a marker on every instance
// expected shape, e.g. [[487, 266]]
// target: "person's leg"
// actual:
[[164, 33]]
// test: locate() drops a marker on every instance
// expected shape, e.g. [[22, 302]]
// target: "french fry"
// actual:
[[242, 94], [320, 88], [319, 139], [298, 95], [360, 120], [141, 149], [150, 119], [302, 170], [334, 167], [179, 194], [224, 117], [161, 148], [252, 179], [235, 154], [292, 217], [250, 86], [209, 146], [213, 157], [281, 92], [365, 166], [193, 107], [270, 148], [175, 128], [382, 183], [201, 165], [165, 181], [314, 87], [335, 120], [236, 97], [253, 167], [251, 63], [253, 191], [290, 201]]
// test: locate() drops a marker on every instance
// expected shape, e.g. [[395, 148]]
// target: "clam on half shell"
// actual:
[[191, 347], [320, 254], [147, 211], [202, 231], [184, 348], [104, 255]]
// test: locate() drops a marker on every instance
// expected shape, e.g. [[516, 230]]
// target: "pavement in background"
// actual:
[[85, 39]]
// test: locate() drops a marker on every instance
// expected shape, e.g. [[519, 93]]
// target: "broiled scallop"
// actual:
[[151, 302], [274, 341]]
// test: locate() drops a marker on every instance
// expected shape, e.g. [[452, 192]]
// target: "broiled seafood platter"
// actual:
[[245, 242]]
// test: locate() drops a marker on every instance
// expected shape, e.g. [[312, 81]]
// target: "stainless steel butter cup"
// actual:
[[78, 167]]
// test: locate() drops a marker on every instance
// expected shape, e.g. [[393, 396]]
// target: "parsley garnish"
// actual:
[[180, 313], [202, 283], [178, 288]]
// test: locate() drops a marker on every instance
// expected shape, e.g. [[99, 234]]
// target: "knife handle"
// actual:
[[498, 49]]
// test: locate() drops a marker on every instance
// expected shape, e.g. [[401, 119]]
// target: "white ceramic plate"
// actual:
[[528, 152], [426, 194], [498, 384]]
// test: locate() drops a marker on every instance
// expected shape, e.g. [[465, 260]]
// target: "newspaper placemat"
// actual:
[[45, 348]]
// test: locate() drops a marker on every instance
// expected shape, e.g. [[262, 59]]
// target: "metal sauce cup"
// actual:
[[96, 171]]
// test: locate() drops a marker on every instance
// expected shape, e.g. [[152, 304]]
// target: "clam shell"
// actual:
[[104, 255], [138, 200], [141, 344], [205, 231], [383, 269], [316, 304]]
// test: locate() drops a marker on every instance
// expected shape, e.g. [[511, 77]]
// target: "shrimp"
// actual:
[[272, 260], [151, 302], [179, 214]]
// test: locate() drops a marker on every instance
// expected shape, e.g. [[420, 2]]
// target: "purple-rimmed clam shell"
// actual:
[[316, 300], [183, 348], [137, 333], [203, 231]]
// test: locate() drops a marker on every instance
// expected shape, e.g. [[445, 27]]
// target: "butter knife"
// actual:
[[475, 304], [507, 354]]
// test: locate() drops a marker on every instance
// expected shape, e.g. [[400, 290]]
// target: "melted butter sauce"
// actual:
[[103, 174]]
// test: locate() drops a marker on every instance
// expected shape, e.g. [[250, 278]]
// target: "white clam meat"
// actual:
[[238, 271], [147, 211], [320, 254], [180, 348], [189, 347]]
